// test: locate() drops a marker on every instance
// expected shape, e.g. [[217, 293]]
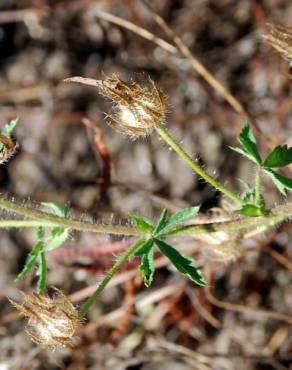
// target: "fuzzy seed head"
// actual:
[[52, 321], [139, 106]]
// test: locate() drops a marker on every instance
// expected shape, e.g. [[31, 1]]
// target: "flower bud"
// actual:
[[52, 321], [139, 107]]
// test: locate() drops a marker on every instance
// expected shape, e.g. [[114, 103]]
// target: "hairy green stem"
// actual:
[[276, 216], [8, 223], [49, 219], [257, 188], [196, 167], [119, 262], [273, 218]]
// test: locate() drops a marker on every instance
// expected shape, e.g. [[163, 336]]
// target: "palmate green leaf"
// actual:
[[32, 260], [283, 183], [178, 218], [42, 273], [248, 141], [182, 263], [281, 156], [142, 223], [147, 262]]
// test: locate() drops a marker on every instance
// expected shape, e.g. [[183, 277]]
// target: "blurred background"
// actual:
[[103, 175]]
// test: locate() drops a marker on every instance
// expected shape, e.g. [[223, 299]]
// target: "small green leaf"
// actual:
[[10, 127], [145, 247], [142, 223], [146, 252], [281, 156], [32, 259], [183, 216], [161, 222], [250, 210], [56, 231], [242, 152], [40, 233], [58, 234], [181, 262], [147, 263], [139, 243], [43, 274], [58, 208], [57, 239], [283, 183], [248, 141], [179, 218]]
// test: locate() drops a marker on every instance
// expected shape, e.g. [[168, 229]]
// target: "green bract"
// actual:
[[251, 210]]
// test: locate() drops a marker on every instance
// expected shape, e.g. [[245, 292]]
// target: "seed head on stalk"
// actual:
[[138, 107]]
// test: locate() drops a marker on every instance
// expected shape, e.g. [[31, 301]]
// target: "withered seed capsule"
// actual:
[[52, 321], [139, 107]]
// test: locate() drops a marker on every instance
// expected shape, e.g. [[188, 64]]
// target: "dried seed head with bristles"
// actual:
[[280, 38], [52, 321], [139, 107], [8, 149]]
